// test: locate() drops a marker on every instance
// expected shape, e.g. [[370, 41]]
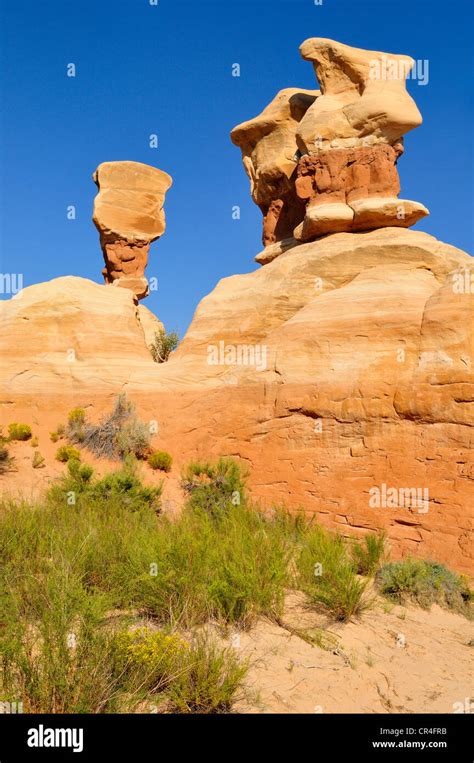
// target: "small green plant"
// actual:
[[327, 575], [81, 472], [67, 452], [58, 433], [369, 555], [214, 488], [34, 442], [126, 485], [210, 679], [161, 460], [425, 582], [149, 658], [19, 431], [76, 417], [37, 460], [163, 345]]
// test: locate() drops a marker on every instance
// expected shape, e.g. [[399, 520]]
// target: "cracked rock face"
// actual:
[[129, 215], [324, 161]]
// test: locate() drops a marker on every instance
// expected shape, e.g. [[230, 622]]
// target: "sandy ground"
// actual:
[[394, 659]]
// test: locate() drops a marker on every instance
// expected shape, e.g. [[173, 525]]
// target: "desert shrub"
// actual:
[[326, 573], [425, 582], [54, 437], [55, 652], [37, 461], [210, 679], [59, 651], [149, 659], [19, 431], [120, 488], [126, 485], [80, 472], [76, 416], [34, 442], [117, 435], [195, 677], [6, 461], [369, 555], [214, 488], [163, 345], [160, 460], [232, 570], [133, 437], [67, 452]]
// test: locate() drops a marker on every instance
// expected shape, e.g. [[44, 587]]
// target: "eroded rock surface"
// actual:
[[129, 215], [343, 365], [325, 161], [270, 157]]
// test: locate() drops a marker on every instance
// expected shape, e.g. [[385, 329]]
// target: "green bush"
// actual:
[[232, 570], [369, 555], [76, 417], [425, 582], [19, 431], [127, 486], [149, 658], [209, 681], [160, 460], [76, 573], [80, 472], [55, 652], [327, 574], [214, 488], [67, 452], [120, 488], [163, 345]]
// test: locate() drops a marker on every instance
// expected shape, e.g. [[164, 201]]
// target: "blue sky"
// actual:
[[167, 69]]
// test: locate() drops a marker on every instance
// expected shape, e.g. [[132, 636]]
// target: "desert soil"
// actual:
[[394, 659]]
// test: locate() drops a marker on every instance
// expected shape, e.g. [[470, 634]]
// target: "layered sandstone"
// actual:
[[71, 334], [129, 215], [329, 165], [343, 365], [270, 157]]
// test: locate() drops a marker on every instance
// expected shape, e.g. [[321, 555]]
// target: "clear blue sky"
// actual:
[[166, 69]]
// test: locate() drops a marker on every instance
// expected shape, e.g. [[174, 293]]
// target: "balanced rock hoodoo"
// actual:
[[324, 161], [129, 215]]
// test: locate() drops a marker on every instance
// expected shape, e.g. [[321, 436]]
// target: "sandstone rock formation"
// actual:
[[337, 171], [270, 157], [129, 215], [71, 334], [342, 366]]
